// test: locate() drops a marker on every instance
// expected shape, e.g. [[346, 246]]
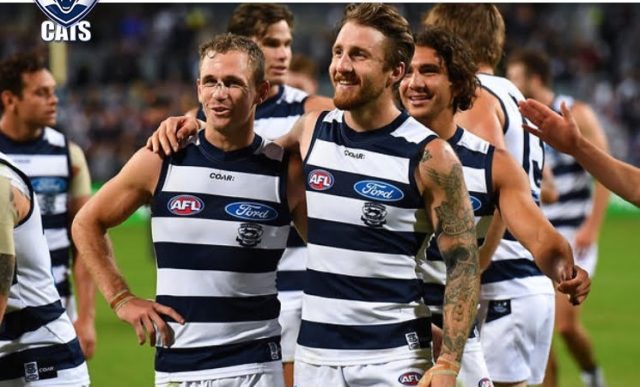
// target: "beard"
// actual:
[[355, 99]]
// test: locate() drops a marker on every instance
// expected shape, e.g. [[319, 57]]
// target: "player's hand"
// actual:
[[561, 132], [171, 132], [576, 288], [144, 317], [86, 331], [584, 238], [442, 374]]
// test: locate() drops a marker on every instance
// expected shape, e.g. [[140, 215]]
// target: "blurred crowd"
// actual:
[[141, 63]]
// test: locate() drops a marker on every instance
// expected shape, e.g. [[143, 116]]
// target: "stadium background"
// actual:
[[139, 67]]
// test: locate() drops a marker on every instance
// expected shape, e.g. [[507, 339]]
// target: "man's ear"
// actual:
[[397, 74], [262, 92], [8, 99], [198, 91]]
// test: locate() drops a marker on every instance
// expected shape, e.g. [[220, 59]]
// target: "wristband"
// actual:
[[121, 295], [445, 367]]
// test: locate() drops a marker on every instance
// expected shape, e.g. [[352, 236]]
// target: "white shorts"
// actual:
[[70, 377], [588, 259], [290, 321], [405, 372], [263, 379], [516, 337], [473, 370]]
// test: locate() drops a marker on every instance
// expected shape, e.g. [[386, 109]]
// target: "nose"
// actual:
[[220, 91], [283, 52], [415, 81], [343, 64]]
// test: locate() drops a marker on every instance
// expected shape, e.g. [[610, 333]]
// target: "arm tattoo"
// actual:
[[7, 266], [426, 156], [452, 215]]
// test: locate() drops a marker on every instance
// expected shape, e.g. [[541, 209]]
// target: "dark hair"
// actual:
[[458, 61], [535, 63], [253, 20], [224, 43], [480, 25], [12, 68], [387, 20]]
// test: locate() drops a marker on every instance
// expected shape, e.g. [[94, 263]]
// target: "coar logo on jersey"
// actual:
[[320, 180], [251, 211], [409, 378], [49, 185], [475, 203], [66, 12], [185, 205], [374, 214], [378, 190], [249, 234]]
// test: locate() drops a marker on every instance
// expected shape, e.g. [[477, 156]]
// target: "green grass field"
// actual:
[[610, 314]]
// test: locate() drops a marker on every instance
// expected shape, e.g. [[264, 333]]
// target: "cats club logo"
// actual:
[[66, 24]]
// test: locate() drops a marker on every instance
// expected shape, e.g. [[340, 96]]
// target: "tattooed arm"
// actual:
[[449, 210]]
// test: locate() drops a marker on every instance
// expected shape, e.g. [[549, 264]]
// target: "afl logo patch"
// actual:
[[185, 205], [320, 180], [475, 203], [378, 190], [409, 378], [251, 211]]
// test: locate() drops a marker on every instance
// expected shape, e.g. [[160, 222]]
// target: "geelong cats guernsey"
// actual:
[[37, 340], [513, 272], [362, 298], [572, 182], [46, 162], [476, 156], [220, 222]]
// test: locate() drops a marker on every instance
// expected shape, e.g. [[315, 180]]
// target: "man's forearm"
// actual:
[[7, 266], [85, 289]]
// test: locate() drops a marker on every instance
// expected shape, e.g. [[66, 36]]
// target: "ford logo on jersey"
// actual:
[[49, 185], [475, 203], [66, 12], [251, 211], [409, 378], [185, 205], [378, 190]]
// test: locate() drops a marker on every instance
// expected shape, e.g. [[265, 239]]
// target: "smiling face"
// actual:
[[227, 90], [357, 67], [276, 47], [425, 90]]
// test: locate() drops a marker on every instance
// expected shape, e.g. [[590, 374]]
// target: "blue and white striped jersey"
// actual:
[[37, 340], [476, 156], [573, 183], [362, 298], [220, 222], [46, 162], [513, 272]]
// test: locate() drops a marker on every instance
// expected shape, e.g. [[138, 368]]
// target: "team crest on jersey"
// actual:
[[374, 214], [378, 190], [185, 205], [66, 12], [249, 234], [409, 378], [476, 204], [320, 180], [485, 382], [251, 211]]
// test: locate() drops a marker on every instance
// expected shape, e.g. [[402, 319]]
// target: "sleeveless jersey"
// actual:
[[513, 272], [274, 118], [37, 340], [46, 162], [362, 298], [220, 222], [476, 156], [573, 183]]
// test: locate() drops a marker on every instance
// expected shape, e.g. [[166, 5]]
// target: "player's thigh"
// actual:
[[403, 372], [313, 375], [473, 370], [567, 314]]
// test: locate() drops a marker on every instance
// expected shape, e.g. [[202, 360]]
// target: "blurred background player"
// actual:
[[517, 300], [303, 74], [579, 211], [38, 345], [58, 172]]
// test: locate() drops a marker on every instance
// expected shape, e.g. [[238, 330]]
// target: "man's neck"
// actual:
[[373, 115], [485, 69], [18, 131], [273, 90], [229, 142], [444, 125]]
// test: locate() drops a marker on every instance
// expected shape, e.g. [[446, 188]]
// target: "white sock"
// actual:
[[593, 378]]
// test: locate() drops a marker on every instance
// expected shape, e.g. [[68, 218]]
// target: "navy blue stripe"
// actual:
[[224, 309], [346, 287], [220, 258], [568, 222], [509, 269], [565, 169], [363, 238], [509, 236], [344, 187], [294, 239], [214, 208], [200, 114], [433, 252], [488, 175], [64, 288], [583, 194], [60, 356], [60, 257], [15, 324], [291, 280], [379, 336], [437, 320], [55, 221], [206, 358], [36, 147], [486, 208], [470, 158], [433, 294]]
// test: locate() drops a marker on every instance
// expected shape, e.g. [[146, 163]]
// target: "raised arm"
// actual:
[[110, 206], [172, 134], [526, 222], [562, 133], [449, 209]]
